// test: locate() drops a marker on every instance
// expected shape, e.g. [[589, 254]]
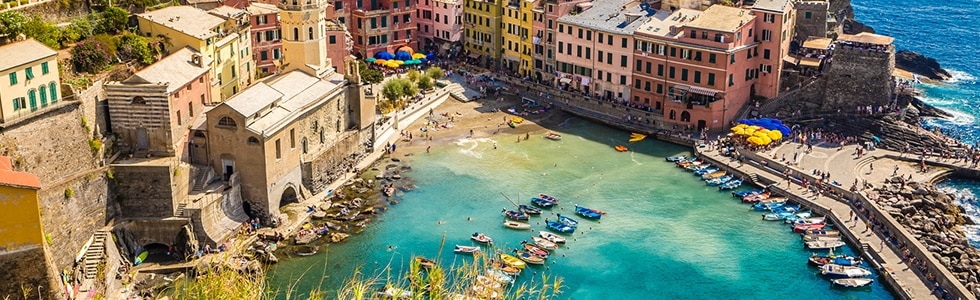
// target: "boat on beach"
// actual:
[[466, 249], [838, 271], [552, 136], [512, 261], [825, 244], [516, 225], [481, 238], [530, 210], [544, 243], [852, 282], [515, 215], [530, 258], [557, 239], [587, 213], [559, 227]]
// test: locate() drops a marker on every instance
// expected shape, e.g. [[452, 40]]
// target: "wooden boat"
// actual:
[[808, 226], [530, 210], [516, 225], [559, 227], [306, 250], [636, 137], [544, 243], [810, 220], [776, 216], [481, 238], [530, 258], [742, 194], [813, 238], [552, 136], [825, 244], [500, 276], [852, 282], [425, 262], [621, 148], [838, 271], [567, 221], [587, 213], [697, 166], [515, 215], [706, 171], [756, 197], [720, 180], [772, 200], [512, 261], [537, 251], [819, 260], [466, 249], [540, 202], [506, 269], [554, 238], [676, 158], [821, 232], [549, 198], [714, 175], [731, 184]]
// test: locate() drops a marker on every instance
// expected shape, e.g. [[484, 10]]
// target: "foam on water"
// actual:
[[960, 77]]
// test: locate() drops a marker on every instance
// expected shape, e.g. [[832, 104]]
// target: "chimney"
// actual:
[[630, 17], [196, 60]]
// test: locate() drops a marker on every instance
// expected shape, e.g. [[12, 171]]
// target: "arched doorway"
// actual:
[[673, 114], [157, 253], [288, 196], [685, 116]]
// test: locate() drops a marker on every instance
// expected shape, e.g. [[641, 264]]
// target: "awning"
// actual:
[[867, 38], [790, 59], [584, 5], [565, 80], [703, 91], [474, 55], [809, 62], [817, 43]]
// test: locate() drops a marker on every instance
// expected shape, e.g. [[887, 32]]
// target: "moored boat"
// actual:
[[731, 184], [559, 227], [530, 258], [533, 249], [776, 216], [541, 202], [587, 213], [838, 271], [706, 171], [676, 158], [719, 180], [808, 226], [714, 175], [501, 276], [549, 198], [512, 261], [822, 232], [425, 262], [621, 148], [567, 221], [505, 268], [515, 215], [824, 244], [481, 238], [306, 250], [557, 239], [818, 260], [742, 194], [811, 238], [753, 198], [516, 225], [466, 249], [852, 282], [544, 243], [527, 209], [552, 136]]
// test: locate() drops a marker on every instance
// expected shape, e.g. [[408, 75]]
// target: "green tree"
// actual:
[[409, 89], [393, 91], [435, 73], [44, 32], [133, 46], [413, 75], [79, 29], [370, 75], [113, 21], [425, 83], [12, 23], [90, 55]]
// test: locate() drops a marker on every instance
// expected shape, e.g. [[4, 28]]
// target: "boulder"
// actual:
[[319, 215], [919, 64]]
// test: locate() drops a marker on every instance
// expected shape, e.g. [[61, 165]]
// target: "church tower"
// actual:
[[304, 32]]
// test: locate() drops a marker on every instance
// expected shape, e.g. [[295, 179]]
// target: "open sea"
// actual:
[[666, 235], [946, 31]]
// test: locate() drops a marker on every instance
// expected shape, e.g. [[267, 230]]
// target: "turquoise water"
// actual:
[[666, 234]]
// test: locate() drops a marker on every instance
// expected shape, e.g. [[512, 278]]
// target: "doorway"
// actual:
[[142, 139]]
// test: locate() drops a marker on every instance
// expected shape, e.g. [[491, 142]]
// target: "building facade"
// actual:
[[266, 37], [152, 110], [379, 25], [482, 30], [440, 24], [543, 58], [32, 81], [20, 218]]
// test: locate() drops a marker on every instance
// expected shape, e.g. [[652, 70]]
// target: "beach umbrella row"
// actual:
[[767, 123], [757, 135]]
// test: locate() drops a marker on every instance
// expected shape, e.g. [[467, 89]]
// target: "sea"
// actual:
[[943, 30], [666, 234]]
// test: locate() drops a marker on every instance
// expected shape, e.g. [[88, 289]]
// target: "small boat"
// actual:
[[714, 175], [540, 202], [481, 238], [818, 260], [808, 226], [799, 216], [517, 120], [554, 238], [552, 136], [544, 243], [505, 268], [515, 215], [786, 208], [742, 194], [810, 220], [773, 200], [516, 225], [501, 276], [719, 180], [732, 184], [852, 282], [549, 198], [567, 221], [676, 158], [587, 213], [776, 216], [559, 227], [697, 166], [527, 209], [306, 250], [706, 171], [636, 137], [820, 232], [466, 249], [825, 244], [538, 251], [425, 262], [753, 198], [621, 148], [530, 258], [838, 271], [512, 261], [813, 238]]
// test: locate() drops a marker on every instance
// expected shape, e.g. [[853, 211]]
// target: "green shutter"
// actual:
[[16, 104], [32, 97], [29, 72], [44, 95], [53, 89], [13, 78], [44, 68]]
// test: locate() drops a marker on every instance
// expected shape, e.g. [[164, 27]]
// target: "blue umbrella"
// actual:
[[383, 55], [403, 55], [430, 56]]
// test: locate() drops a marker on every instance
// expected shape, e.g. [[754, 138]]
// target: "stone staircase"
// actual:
[[204, 176], [181, 207], [457, 91], [95, 254]]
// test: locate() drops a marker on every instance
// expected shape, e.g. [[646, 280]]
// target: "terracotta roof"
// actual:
[[19, 53], [9, 177], [867, 38]]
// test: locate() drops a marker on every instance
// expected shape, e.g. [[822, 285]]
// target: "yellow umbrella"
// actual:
[[754, 140], [775, 135], [738, 131], [418, 55], [391, 64], [380, 62], [765, 140], [750, 131], [741, 126]]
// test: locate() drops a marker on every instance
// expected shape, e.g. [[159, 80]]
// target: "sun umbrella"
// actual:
[[775, 135], [380, 62], [406, 49], [370, 59], [418, 55], [383, 55], [403, 55], [738, 130], [399, 62], [754, 140], [765, 140]]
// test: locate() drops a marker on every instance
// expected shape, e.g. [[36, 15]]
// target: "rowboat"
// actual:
[[592, 209], [481, 238], [776, 216], [306, 250], [697, 166], [714, 175], [567, 221], [425, 262], [516, 225], [676, 158], [838, 271], [819, 232], [527, 209], [706, 171], [587, 213], [538, 251], [501, 276], [824, 244], [808, 226], [810, 220], [506, 269], [552, 136], [530, 258], [818, 260], [515, 215], [621, 148], [719, 180], [540, 202], [852, 282], [753, 198], [548, 197], [731, 184], [512, 261], [466, 249], [559, 227], [554, 238], [544, 243], [813, 238], [636, 137], [742, 194]]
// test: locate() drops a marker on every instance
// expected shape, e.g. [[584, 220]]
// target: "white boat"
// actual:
[[554, 238], [814, 238], [839, 271], [852, 282], [544, 243], [466, 249], [824, 244], [553, 136], [516, 225]]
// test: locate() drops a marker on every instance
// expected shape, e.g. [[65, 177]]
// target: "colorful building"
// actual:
[[152, 109], [211, 36], [545, 33], [517, 18], [594, 50], [482, 30], [237, 20], [379, 25], [313, 28], [266, 37], [20, 218], [32, 84]]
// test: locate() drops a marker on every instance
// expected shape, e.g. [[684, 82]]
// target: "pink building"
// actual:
[[699, 69], [594, 49], [378, 25], [152, 110], [543, 58], [266, 36], [440, 24]]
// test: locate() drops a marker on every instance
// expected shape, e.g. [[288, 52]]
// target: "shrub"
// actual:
[[69, 192], [12, 22], [43, 31], [425, 83], [133, 46], [413, 75], [90, 56], [113, 21], [435, 73], [109, 174], [95, 145], [79, 29]]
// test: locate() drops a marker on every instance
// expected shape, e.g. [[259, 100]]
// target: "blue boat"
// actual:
[[695, 167], [559, 227], [567, 221], [527, 209], [676, 158], [776, 216], [515, 215], [719, 181], [731, 184], [706, 171], [587, 212], [542, 202], [742, 194], [786, 208]]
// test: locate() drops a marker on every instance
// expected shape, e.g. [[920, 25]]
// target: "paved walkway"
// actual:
[[891, 260]]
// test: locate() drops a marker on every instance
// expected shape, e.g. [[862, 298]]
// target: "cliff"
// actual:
[[919, 64]]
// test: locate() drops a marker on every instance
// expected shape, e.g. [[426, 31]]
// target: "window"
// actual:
[[624, 43], [683, 74], [43, 90], [622, 79], [580, 33], [697, 56], [623, 61], [333, 39], [295, 34], [29, 72], [808, 15], [275, 54], [769, 18], [264, 55], [561, 48], [588, 35], [660, 90], [694, 34], [252, 141], [671, 73], [697, 76], [660, 70], [766, 35], [646, 86], [13, 78], [19, 103], [323, 135], [278, 149], [765, 54], [712, 58], [649, 67], [292, 139], [138, 100], [179, 119], [228, 123], [711, 79], [310, 30], [609, 58], [44, 67], [731, 79]]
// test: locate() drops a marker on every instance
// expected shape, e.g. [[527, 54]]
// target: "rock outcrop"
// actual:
[[851, 26], [919, 64]]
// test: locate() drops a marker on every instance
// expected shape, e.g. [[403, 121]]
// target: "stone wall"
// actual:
[[333, 162], [26, 272], [146, 191], [816, 25], [69, 222]]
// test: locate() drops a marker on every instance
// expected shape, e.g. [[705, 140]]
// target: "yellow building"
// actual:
[[482, 28], [32, 81], [516, 36], [210, 35], [20, 218]]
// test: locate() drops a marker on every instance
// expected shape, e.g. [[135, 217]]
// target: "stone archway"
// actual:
[[288, 196], [685, 116]]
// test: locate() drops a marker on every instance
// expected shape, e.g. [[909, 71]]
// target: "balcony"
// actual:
[[298, 4]]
